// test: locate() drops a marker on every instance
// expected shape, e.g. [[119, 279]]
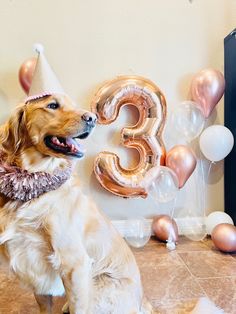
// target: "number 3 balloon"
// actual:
[[145, 136]]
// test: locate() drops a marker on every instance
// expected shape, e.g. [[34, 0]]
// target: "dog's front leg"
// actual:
[[77, 280], [45, 303]]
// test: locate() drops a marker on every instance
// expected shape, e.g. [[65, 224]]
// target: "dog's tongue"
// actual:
[[74, 145]]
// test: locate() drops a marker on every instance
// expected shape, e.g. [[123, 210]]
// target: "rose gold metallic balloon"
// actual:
[[224, 237], [145, 136], [182, 161], [207, 88], [26, 73], [164, 228]]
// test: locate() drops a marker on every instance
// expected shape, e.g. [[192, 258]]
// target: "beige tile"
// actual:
[[169, 283], [15, 299], [209, 264], [152, 246], [222, 291], [186, 245], [154, 260]]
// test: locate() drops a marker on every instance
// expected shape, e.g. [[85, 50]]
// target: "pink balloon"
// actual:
[[224, 237], [26, 73], [165, 227], [182, 161], [207, 88]]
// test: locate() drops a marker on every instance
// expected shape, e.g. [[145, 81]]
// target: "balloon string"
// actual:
[[171, 245], [200, 184], [205, 181], [203, 185], [200, 195], [209, 170], [173, 208]]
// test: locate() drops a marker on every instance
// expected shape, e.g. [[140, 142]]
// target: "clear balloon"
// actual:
[[216, 218], [188, 120], [207, 88], [216, 142], [193, 227], [138, 232], [164, 186], [182, 161]]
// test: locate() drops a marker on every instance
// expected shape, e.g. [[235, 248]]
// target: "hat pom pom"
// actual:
[[38, 48]]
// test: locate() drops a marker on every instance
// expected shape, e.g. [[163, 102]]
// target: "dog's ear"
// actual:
[[12, 132]]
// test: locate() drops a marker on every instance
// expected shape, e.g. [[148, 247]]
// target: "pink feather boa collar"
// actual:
[[22, 185]]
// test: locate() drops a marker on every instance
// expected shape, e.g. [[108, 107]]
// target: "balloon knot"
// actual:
[[170, 245], [38, 48]]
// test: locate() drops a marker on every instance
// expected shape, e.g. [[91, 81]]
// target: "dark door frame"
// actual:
[[230, 122]]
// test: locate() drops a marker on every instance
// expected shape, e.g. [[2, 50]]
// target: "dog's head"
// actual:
[[51, 124]]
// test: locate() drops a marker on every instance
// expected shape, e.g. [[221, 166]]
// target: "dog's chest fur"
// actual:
[[60, 223], [34, 232]]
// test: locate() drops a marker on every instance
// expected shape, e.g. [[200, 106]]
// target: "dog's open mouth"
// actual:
[[66, 145]]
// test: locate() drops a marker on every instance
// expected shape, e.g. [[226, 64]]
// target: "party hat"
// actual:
[[44, 80]]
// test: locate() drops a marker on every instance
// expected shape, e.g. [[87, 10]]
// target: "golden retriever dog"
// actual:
[[59, 242]]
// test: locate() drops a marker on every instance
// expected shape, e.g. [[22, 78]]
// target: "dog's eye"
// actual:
[[53, 105]]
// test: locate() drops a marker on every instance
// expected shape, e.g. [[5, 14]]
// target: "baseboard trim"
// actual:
[[185, 225]]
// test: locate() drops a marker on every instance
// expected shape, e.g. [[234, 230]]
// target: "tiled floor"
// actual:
[[173, 281]]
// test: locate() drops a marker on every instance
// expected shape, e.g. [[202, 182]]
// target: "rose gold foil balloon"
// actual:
[[145, 136], [164, 227], [182, 161], [207, 88], [224, 237], [26, 73]]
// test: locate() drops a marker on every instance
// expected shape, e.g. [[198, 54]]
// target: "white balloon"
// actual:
[[138, 231], [164, 186], [216, 218], [188, 120], [216, 142]]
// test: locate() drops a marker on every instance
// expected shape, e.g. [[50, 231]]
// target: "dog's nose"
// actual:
[[90, 118]]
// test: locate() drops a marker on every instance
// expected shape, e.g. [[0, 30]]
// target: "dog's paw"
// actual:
[[65, 309]]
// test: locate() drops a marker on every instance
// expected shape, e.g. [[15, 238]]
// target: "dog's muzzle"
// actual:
[[90, 119]]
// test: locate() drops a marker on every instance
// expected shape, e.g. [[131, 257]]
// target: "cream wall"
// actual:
[[88, 42]]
